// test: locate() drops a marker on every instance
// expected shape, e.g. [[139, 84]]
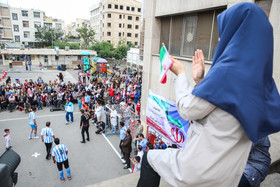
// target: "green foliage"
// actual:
[[63, 44], [73, 45], [87, 35], [103, 49], [73, 37], [130, 44], [120, 52], [47, 36], [106, 50]]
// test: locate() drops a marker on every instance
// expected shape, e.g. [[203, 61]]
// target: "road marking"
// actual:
[[114, 149], [14, 119], [36, 154]]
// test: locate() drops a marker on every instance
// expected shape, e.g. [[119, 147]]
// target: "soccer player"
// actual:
[[47, 137], [59, 155], [33, 123]]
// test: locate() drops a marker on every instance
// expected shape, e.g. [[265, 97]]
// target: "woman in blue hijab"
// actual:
[[235, 104]]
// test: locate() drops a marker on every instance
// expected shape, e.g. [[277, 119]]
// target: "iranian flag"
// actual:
[[166, 63]]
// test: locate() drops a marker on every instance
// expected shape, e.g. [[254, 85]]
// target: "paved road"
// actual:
[[90, 163]]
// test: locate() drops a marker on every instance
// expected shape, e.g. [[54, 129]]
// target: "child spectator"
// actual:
[[7, 137]]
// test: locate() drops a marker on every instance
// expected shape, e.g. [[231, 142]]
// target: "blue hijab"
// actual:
[[240, 79]]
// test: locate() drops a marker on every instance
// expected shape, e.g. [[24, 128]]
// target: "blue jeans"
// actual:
[[67, 116]]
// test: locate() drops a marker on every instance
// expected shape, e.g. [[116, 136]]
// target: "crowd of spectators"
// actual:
[[40, 93]]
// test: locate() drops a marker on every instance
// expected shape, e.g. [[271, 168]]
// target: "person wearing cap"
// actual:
[[84, 125], [33, 123], [7, 137], [126, 147], [47, 137]]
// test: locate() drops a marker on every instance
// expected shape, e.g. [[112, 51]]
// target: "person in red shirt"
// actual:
[[138, 107], [112, 94], [44, 97]]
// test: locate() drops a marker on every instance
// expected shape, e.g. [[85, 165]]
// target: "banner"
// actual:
[[163, 117]]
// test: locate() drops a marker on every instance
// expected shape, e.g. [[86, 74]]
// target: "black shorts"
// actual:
[[65, 163]]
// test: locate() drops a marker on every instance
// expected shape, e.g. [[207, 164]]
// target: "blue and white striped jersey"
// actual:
[[47, 134], [31, 117], [59, 152]]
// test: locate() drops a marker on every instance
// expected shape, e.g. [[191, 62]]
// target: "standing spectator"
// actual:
[[59, 155], [114, 118], [69, 108], [98, 111], [41, 66], [33, 123], [29, 63], [138, 107], [26, 65], [7, 137], [61, 77], [122, 136], [126, 146], [47, 137], [87, 98], [112, 94], [84, 125], [141, 140]]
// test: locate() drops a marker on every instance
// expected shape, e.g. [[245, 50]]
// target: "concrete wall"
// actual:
[[151, 68]]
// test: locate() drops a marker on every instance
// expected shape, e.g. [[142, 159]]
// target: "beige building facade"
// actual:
[[185, 26], [119, 21], [6, 33]]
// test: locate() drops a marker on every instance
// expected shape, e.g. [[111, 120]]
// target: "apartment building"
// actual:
[[25, 22], [80, 22], [119, 21], [5, 23], [95, 20]]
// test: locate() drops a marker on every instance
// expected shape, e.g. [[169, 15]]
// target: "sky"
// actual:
[[67, 10]]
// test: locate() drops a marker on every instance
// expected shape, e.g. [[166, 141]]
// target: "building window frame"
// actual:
[[15, 16], [36, 14], [25, 24], [16, 28], [24, 13]]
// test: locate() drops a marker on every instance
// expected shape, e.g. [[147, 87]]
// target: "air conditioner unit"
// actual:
[[22, 47], [67, 48]]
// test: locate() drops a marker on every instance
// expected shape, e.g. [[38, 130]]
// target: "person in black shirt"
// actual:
[[101, 127], [84, 125]]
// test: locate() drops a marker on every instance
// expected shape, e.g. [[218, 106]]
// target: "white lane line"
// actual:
[[114, 149], [14, 119]]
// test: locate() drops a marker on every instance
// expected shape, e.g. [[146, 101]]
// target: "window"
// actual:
[[116, 6], [123, 33], [136, 26], [120, 16], [17, 38], [127, 43], [128, 8], [132, 8], [26, 34], [25, 24], [24, 13], [136, 43], [108, 33], [120, 34], [16, 28], [4, 7], [121, 7], [184, 33], [15, 17], [123, 25], [137, 18], [129, 17], [48, 25], [129, 26], [46, 58], [136, 35], [108, 15], [120, 25], [139, 9], [128, 34], [37, 24], [109, 6], [36, 14], [58, 25], [108, 24]]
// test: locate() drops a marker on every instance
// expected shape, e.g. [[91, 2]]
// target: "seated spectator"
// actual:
[[101, 127], [12, 103], [136, 164]]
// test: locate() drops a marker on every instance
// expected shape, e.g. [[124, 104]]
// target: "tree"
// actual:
[[47, 36], [87, 35], [103, 49], [62, 45], [120, 52]]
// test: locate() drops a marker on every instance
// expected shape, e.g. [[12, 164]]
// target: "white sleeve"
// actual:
[[189, 106], [42, 131]]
